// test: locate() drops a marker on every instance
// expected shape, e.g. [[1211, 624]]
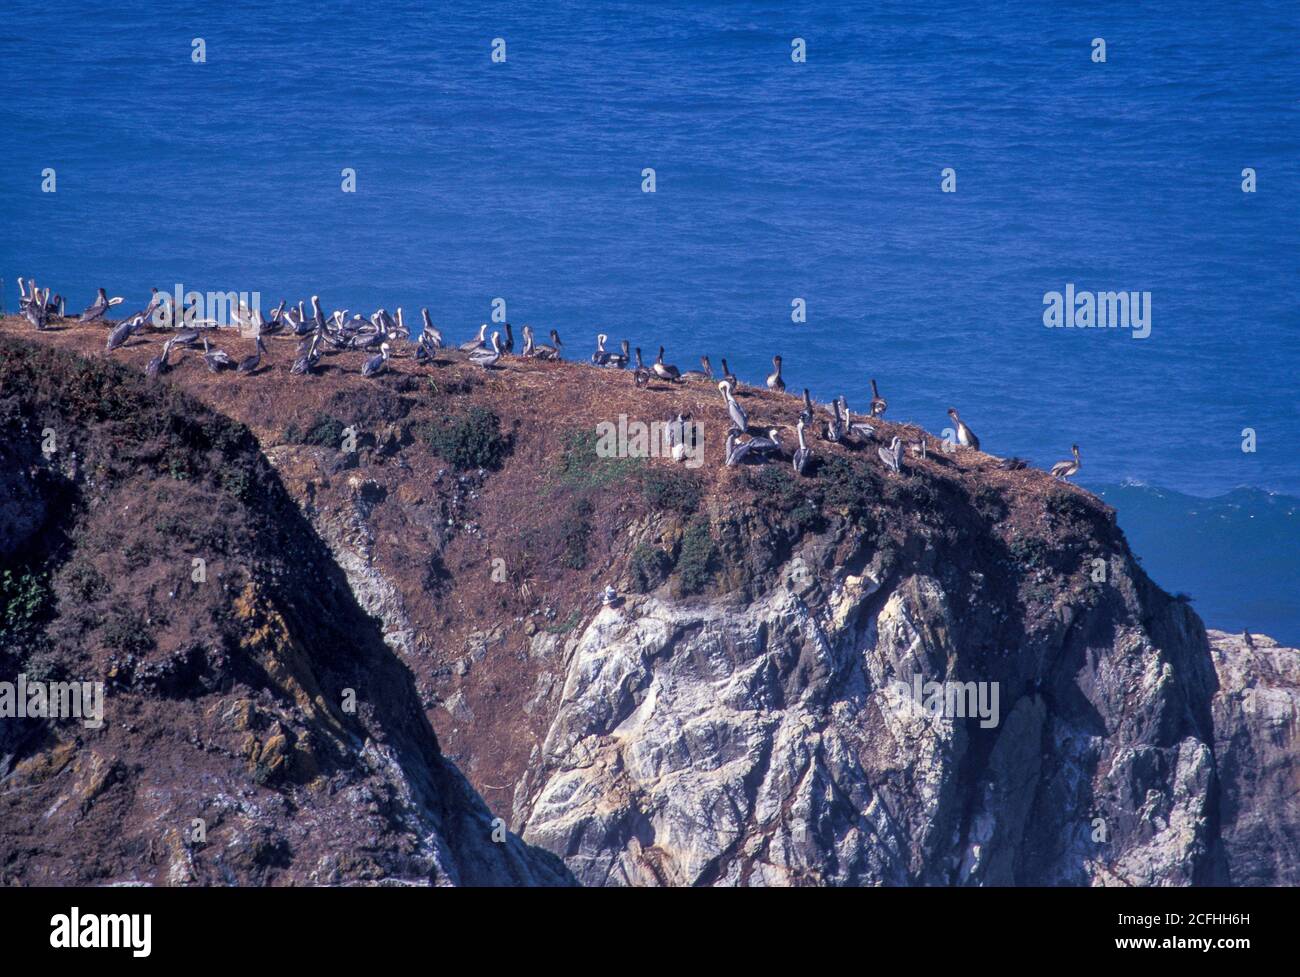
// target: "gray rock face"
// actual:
[[778, 742], [1257, 745]]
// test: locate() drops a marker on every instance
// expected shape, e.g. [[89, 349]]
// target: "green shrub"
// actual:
[[697, 558], [23, 599], [649, 567], [671, 490], [125, 632], [472, 439], [581, 467], [577, 532]]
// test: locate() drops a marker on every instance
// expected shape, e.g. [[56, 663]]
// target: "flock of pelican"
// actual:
[[380, 333]]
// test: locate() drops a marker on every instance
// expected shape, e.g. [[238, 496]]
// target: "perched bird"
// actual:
[[774, 381], [376, 363], [475, 344], [1013, 464], [802, 454], [665, 371], [430, 337], [216, 359], [602, 355], [158, 364], [806, 415], [123, 331], [250, 363], [734, 453], [739, 420], [965, 436], [488, 358], [834, 430], [893, 455], [705, 373], [641, 375], [729, 376], [1067, 469], [878, 403], [97, 308]]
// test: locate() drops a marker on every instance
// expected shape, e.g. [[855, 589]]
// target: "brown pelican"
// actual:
[[1067, 469], [430, 337], [36, 310], [739, 420], [893, 455], [734, 453], [774, 381], [619, 360], [601, 356], [703, 374], [677, 438], [216, 359], [665, 371], [834, 431], [509, 345], [878, 403], [250, 363], [965, 436], [488, 358], [729, 376], [158, 364], [806, 415], [307, 357], [802, 454], [765, 445], [123, 331], [476, 344], [861, 429], [640, 376], [376, 363], [97, 308], [1013, 464]]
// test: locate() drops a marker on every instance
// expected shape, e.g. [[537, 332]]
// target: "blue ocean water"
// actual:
[[775, 181]]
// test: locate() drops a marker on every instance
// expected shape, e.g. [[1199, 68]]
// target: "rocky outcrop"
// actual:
[[958, 674], [778, 741], [1256, 732]]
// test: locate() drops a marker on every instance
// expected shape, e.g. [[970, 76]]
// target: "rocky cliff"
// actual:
[[957, 674]]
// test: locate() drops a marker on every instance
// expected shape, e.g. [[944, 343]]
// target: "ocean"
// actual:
[[777, 183]]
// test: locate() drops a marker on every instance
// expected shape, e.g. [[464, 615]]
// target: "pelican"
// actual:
[[665, 371], [739, 420], [734, 453], [509, 345], [308, 357], [543, 352], [123, 331], [476, 344], [834, 431], [706, 373], [158, 364], [640, 376], [677, 438], [1013, 464], [376, 363], [620, 359], [878, 403], [802, 454], [97, 308], [488, 358], [764, 445], [965, 436], [893, 455], [729, 376], [35, 310], [861, 429], [1067, 469], [250, 363], [806, 415], [774, 381], [600, 357], [429, 336], [217, 360]]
